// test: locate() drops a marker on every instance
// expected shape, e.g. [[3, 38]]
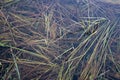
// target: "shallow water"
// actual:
[[58, 30]]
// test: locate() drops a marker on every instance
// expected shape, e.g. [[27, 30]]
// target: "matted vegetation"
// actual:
[[55, 40]]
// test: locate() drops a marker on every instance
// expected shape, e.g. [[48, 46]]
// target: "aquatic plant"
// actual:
[[52, 40]]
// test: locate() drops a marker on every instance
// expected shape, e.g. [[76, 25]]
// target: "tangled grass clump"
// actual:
[[52, 40]]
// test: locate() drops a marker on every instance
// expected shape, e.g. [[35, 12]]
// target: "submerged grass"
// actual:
[[16, 65], [47, 40]]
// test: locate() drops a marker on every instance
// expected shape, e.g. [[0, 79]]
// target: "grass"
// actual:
[[50, 42]]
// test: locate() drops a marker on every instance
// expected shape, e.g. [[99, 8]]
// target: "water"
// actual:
[[60, 39]]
